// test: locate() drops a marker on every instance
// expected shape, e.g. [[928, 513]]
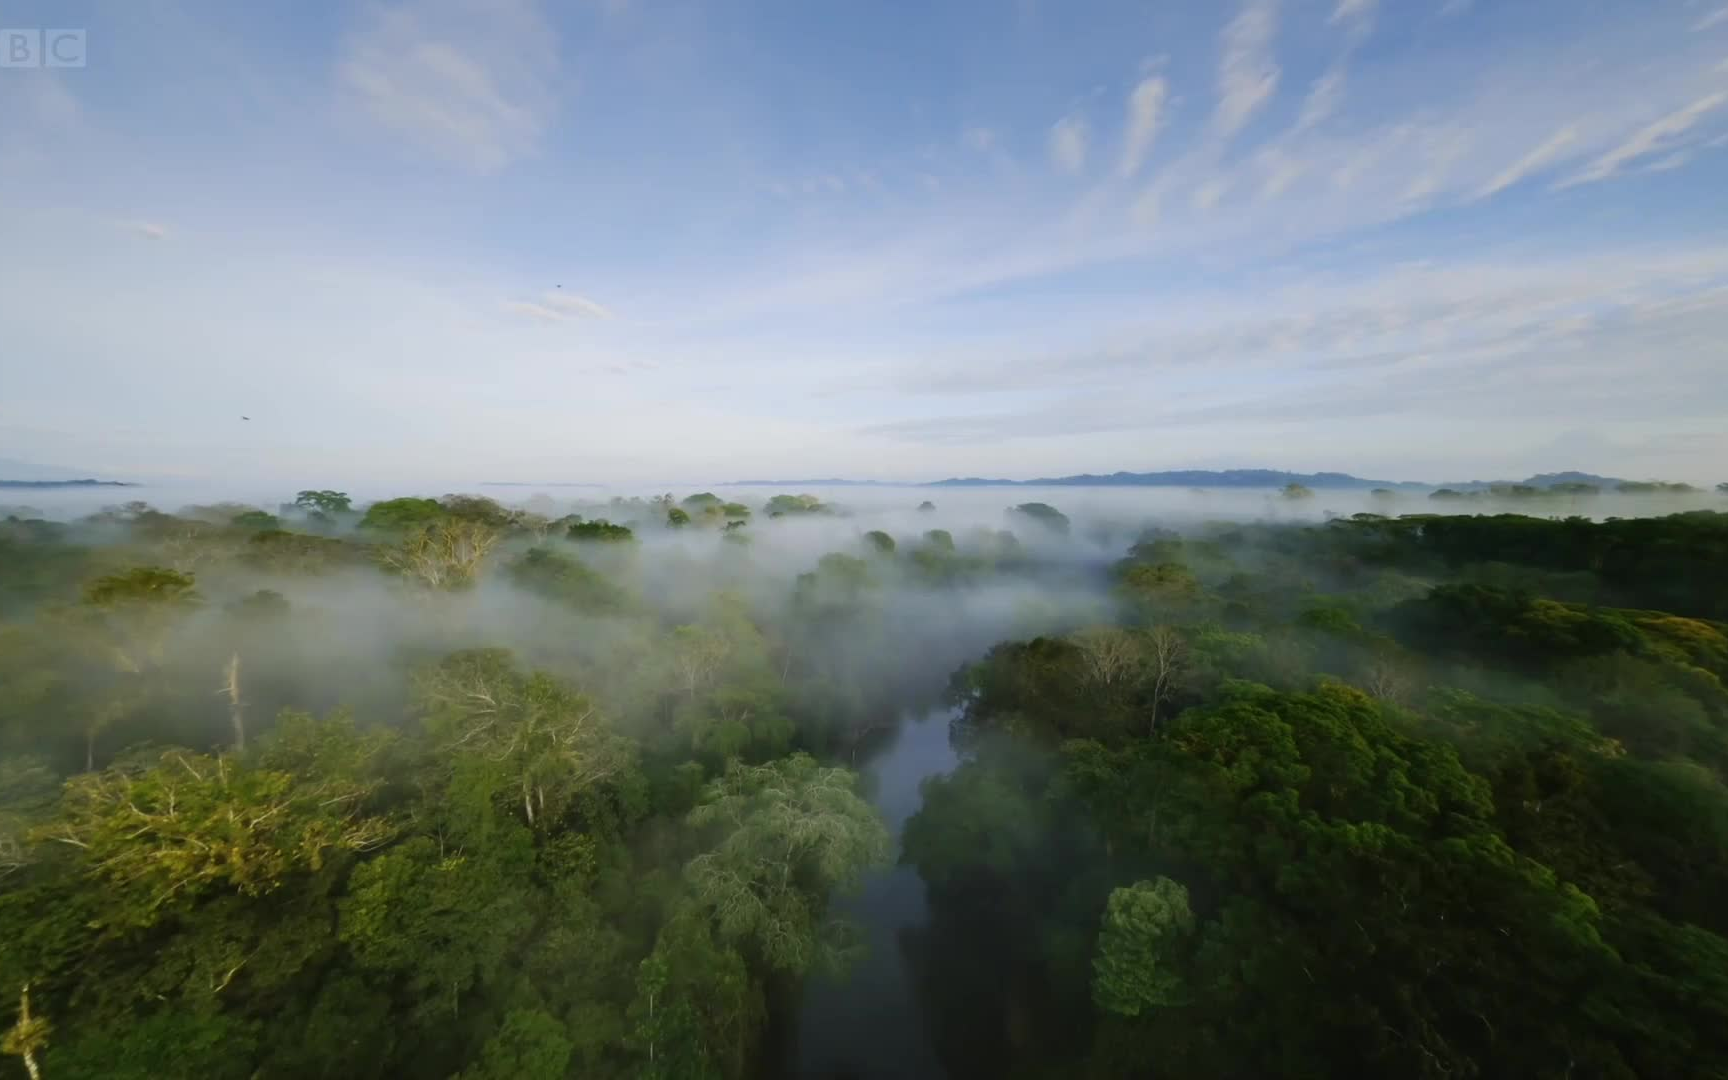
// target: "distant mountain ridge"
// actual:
[[1205, 478], [1255, 478], [39, 484], [1541, 480], [832, 481]]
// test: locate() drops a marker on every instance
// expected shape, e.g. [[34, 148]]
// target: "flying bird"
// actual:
[[245, 418]]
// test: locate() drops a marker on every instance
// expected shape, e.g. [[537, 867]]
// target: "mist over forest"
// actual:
[[865, 782]]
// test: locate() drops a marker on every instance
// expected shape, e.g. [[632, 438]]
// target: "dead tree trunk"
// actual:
[[27, 1036], [236, 708]]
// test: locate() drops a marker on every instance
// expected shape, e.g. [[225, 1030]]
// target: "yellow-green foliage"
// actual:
[[195, 822]]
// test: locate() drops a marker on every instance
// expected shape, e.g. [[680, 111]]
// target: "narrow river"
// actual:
[[868, 1025]]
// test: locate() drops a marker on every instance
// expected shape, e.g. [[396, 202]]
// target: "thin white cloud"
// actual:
[[1208, 192], [1145, 109], [1421, 339], [1282, 170], [1247, 74], [1530, 162], [577, 305], [1715, 18], [533, 310], [1068, 141], [1672, 161], [1323, 99], [558, 306], [470, 85], [1650, 139], [150, 230], [1353, 9]]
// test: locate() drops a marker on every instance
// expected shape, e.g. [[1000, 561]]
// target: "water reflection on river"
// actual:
[[868, 1024]]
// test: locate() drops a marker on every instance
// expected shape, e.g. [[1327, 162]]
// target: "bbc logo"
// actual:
[[41, 48]]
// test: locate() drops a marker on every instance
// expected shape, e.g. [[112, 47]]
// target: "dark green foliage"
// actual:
[[139, 587], [39, 564], [566, 579], [781, 505], [401, 515], [323, 502], [530, 1045], [1515, 627], [477, 508], [599, 530], [1515, 879], [1665, 564], [278, 551], [1044, 514], [255, 521]]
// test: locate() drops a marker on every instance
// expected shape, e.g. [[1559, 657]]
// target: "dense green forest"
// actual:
[[446, 788]]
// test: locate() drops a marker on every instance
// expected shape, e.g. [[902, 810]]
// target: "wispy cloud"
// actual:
[[1068, 141], [1247, 74], [577, 305], [532, 310], [1209, 192], [557, 306], [1145, 108], [149, 230], [1452, 344], [1656, 137], [1714, 18], [1323, 99], [1676, 160], [1353, 9], [465, 82], [1326, 320], [1531, 162]]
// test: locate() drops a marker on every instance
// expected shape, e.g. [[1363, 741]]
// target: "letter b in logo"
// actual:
[[20, 48]]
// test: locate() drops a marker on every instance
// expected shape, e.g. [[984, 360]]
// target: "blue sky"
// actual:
[[633, 241]]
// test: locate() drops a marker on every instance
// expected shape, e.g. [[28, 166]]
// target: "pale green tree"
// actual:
[[549, 742], [443, 554], [193, 823], [1144, 926], [789, 834]]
